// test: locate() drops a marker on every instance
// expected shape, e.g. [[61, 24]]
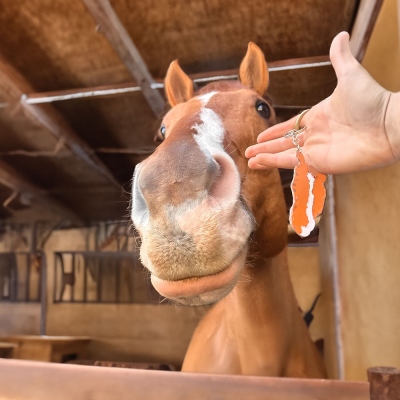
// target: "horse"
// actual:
[[214, 231]]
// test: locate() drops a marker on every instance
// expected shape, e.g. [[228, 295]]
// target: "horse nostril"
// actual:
[[214, 171], [225, 188], [139, 211]]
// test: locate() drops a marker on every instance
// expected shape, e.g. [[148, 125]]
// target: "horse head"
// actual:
[[201, 212]]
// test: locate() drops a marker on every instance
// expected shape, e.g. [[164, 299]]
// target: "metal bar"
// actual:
[[330, 281], [73, 273], [43, 293], [116, 34], [2, 286], [117, 282], [120, 89], [99, 281], [367, 15], [56, 262], [78, 94], [28, 275], [62, 277], [14, 85], [84, 281], [14, 280]]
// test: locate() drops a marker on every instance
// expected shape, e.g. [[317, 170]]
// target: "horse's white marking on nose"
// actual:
[[205, 98], [210, 132]]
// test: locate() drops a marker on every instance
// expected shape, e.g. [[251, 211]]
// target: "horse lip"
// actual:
[[195, 286]]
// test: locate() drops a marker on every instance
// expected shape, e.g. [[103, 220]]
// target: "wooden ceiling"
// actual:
[[81, 85]]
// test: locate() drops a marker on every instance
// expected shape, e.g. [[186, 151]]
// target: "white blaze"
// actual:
[[210, 132], [205, 98]]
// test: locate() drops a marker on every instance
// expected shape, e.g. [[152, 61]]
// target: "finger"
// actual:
[[273, 146], [276, 131], [286, 159], [340, 54]]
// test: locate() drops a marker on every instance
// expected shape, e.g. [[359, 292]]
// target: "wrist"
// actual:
[[392, 123]]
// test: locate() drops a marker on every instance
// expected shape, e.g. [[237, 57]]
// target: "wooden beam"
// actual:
[[15, 87], [51, 381], [16, 182], [112, 28], [367, 13], [202, 78], [140, 151]]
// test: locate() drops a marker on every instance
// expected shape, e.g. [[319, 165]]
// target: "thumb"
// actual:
[[340, 54]]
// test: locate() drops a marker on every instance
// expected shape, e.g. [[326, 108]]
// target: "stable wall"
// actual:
[[125, 332], [20, 318], [368, 233], [135, 332], [154, 333], [132, 332]]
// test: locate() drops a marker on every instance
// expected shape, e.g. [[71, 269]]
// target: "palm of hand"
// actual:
[[346, 131]]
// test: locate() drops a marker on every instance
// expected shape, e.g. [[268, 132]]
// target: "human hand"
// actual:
[[345, 132]]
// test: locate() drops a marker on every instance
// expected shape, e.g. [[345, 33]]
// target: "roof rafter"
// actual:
[[118, 37], [16, 182], [15, 88]]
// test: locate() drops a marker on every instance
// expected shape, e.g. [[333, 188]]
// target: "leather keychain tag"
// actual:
[[307, 188]]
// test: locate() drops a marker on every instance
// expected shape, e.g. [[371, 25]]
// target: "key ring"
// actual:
[[297, 130]]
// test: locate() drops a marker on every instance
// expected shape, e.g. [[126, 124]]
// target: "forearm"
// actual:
[[392, 123]]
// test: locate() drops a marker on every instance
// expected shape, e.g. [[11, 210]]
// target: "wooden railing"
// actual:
[[46, 381], [49, 381]]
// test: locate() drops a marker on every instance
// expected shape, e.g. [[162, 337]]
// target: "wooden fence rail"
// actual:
[[24, 380]]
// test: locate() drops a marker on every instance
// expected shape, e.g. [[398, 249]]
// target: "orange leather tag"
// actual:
[[308, 197]]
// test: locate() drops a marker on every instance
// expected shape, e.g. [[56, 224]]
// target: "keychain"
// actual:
[[307, 188]]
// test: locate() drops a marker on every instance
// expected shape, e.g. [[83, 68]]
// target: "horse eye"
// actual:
[[263, 109], [163, 131]]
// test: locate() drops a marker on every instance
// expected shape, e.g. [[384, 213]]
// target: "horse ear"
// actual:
[[253, 70], [178, 86]]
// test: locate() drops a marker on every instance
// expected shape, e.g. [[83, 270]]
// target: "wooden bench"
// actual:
[[7, 349], [48, 348]]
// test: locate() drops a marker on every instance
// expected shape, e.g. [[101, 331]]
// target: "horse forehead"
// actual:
[[214, 100]]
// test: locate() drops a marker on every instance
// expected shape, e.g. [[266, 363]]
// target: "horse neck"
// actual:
[[265, 289], [263, 317]]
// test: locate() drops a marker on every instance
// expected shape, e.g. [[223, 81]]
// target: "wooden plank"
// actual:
[[204, 77], [14, 87], [13, 180], [46, 381], [367, 14], [115, 32]]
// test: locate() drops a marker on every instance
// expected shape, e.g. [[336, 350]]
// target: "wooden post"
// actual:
[[384, 383]]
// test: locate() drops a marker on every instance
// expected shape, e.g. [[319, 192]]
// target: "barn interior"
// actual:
[[81, 101]]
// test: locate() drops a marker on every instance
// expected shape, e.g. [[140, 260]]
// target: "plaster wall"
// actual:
[[19, 318], [368, 231]]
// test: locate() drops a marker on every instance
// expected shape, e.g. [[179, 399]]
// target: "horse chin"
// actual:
[[203, 290]]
